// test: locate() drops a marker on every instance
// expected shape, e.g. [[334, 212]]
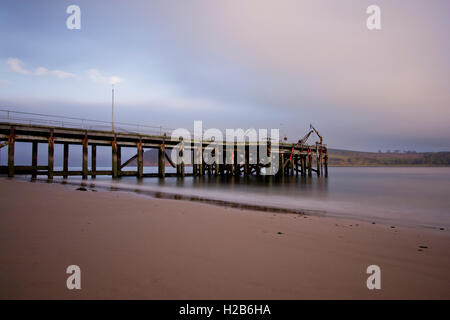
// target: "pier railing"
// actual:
[[40, 119], [30, 118]]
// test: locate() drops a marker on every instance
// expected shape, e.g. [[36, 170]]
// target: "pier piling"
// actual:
[[65, 160], [85, 157], [34, 158], [51, 153], [309, 164], [94, 160], [161, 161], [11, 142], [114, 158], [140, 160]]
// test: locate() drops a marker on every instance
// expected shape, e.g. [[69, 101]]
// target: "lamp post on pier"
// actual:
[[112, 108]]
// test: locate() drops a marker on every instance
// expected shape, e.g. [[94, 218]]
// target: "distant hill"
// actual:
[[150, 158], [355, 158]]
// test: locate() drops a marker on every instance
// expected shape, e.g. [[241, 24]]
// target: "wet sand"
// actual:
[[136, 247]]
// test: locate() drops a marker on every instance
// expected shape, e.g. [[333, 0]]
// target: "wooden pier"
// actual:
[[294, 159]]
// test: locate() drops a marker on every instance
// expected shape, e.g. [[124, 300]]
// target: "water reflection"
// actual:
[[411, 196]]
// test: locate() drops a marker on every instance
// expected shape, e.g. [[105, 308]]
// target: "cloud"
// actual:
[[57, 73], [62, 74], [41, 71], [96, 76], [17, 66]]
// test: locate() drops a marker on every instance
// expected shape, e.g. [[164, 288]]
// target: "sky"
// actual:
[[238, 64]]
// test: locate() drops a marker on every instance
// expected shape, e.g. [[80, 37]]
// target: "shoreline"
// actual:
[[134, 247], [180, 197], [158, 194]]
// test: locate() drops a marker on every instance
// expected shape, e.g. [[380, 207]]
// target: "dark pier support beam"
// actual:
[[246, 161], [220, 164], [258, 165], [222, 168], [309, 165], [318, 165], [326, 164], [269, 164], [300, 164], [11, 142], [291, 164], [182, 166], [66, 160], [119, 160], [161, 161], [321, 162], [85, 157], [194, 164], [51, 153], [93, 160], [231, 165], [237, 167], [303, 165], [285, 165], [182, 169], [34, 157], [140, 160], [211, 161], [296, 158], [123, 165], [201, 167], [280, 165], [114, 158], [216, 160], [210, 169], [178, 162], [181, 154]]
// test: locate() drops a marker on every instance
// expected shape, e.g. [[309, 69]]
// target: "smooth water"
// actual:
[[396, 195]]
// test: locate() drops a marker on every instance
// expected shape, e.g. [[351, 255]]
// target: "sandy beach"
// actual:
[[137, 247]]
